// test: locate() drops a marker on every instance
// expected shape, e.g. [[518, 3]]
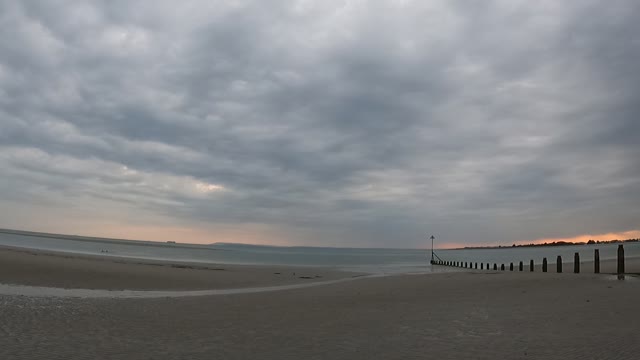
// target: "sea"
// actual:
[[369, 260]]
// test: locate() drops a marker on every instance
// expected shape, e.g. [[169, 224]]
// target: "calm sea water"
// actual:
[[366, 260]]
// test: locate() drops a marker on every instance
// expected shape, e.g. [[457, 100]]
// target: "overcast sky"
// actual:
[[336, 123]]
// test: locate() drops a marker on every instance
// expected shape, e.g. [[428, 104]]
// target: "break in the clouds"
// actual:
[[348, 123]]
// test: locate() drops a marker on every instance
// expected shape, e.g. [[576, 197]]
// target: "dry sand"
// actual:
[[463, 315]]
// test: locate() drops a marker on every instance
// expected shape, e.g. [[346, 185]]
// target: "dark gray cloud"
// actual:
[[341, 123]]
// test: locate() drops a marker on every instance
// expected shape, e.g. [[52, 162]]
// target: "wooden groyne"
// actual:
[[559, 265]]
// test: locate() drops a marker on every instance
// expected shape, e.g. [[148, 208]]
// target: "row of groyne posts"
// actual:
[[576, 263]]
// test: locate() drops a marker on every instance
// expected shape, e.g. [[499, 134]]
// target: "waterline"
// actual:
[[41, 291]]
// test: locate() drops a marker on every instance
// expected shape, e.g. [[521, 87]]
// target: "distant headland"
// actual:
[[554, 243]]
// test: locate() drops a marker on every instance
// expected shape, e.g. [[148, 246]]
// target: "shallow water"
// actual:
[[41, 291], [378, 261]]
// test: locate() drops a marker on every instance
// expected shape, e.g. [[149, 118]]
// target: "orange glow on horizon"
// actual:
[[632, 234], [624, 235]]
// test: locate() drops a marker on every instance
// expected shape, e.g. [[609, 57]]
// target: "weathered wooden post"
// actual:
[[481, 266], [576, 263], [559, 264], [596, 261], [495, 266], [476, 266], [544, 264], [511, 267], [502, 267], [465, 264], [521, 267], [531, 265], [620, 262]]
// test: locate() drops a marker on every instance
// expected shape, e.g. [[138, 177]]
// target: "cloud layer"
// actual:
[[348, 123]]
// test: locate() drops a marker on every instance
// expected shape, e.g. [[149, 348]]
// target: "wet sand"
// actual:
[[445, 316], [461, 315], [41, 268]]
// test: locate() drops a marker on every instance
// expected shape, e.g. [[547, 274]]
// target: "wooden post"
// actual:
[[559, 264], [487, 266], [521, 267], [596, 261], [531, 265], [620, 262], [495, 266], [476, 266], [544, 265], [481, 266], [502, 267], [465, 264], [511, 267], [576, 263]]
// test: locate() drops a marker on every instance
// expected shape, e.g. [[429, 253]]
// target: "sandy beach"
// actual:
[[42, 268], [467, 314]]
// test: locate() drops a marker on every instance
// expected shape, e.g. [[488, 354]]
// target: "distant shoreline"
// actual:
[[551, 244], [107, 240]]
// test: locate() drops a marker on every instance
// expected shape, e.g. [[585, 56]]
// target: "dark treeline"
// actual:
[[554, 243]]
